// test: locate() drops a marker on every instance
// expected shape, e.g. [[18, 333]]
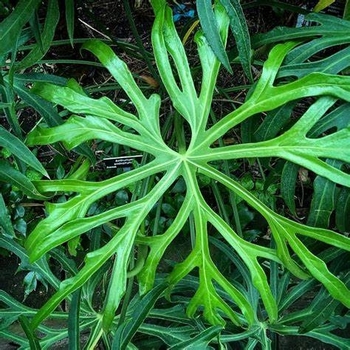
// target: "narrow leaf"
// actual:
[[69, 10], [322, 4], [39, 50], [140, 311], [211, 31], [11, 26], [5, 221], [200, 341], [288, 185], [323, 199], [73, 321], [14, 177], [33, 340], [19, 150], [240, 31], [321, 311], [343, 210]]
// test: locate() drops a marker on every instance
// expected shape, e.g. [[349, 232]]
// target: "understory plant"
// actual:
[[228, 289]]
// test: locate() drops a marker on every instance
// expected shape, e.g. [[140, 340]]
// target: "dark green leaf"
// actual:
[[323, 199], [40, 267], [141, 309], [200, 341], [69, 10], [288, 185], [10, 175], [5, 221], [342, 210], [330, 26], [332, 64], [35, 26], [39, 50], [274, 122], [240, 32], [11, 26], [30, 282], [211, 31], [73, 321], [338, 118], [19, 150]]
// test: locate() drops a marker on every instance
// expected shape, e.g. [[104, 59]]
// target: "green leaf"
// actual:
[[40, 267], [47, 35], [323, 200], [43, 107], [343, 210], [288, 185], [321, 310], [30, 282], [11, 26], [18, 149], [239, 29], [73, 321], [332, 64], [16, 178], [322, 4], [5, 221], [35, 28], [332, 28], [138, 314], [200, 341], [211, 31], [199, 282], [274, 122], [70, 18], [346, 14], [33, 340]]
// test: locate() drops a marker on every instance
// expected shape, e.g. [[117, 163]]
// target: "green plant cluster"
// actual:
[[202, 242]]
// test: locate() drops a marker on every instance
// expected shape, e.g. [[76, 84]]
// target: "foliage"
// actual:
[[230, 285]]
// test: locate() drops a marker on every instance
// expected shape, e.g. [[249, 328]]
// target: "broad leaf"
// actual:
[[217, 296]]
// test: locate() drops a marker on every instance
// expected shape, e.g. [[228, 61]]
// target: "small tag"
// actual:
[[121, 162]]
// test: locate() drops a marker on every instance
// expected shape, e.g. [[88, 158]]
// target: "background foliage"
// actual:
[[203, 243]]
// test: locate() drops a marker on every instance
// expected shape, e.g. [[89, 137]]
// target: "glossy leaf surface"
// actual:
[[219, 298]]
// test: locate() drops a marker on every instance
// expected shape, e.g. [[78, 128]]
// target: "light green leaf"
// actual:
[[198, 161], [322, 4]]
